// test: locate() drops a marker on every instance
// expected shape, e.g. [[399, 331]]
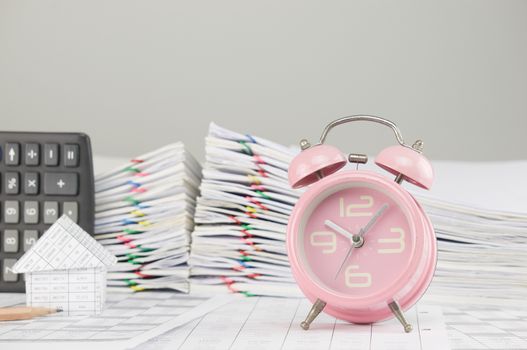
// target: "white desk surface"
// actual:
[[272, 323]]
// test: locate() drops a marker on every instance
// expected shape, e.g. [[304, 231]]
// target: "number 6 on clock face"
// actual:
[[357, 279]]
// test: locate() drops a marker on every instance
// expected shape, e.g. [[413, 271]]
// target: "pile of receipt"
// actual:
[[238, 244], [144, 216]]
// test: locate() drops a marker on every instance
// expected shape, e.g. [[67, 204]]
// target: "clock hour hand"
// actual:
[[357, 240], [338, 229]]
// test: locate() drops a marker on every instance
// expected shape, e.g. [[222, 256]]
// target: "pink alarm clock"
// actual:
[[360, 246]]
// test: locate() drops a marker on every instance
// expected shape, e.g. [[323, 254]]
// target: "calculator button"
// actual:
[[11, 212], [31, 212], [12, 154], [71, 155], [12, 181], [71, 209], [32, 154], [7, 271], [31, 183], [51, 154], [10, 241], [30, 238], [51, 212], [61, 184]]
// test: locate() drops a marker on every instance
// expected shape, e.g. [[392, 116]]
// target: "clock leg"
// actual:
[[398, 313], [318, 306]]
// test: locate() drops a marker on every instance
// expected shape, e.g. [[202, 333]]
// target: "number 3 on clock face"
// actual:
[[326, 240]]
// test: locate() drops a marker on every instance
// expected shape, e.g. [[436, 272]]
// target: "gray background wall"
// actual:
[[136, 75]]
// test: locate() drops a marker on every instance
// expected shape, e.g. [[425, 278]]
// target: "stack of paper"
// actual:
[[245, 202], [241, 216], [480, 217], [144, 216], [482, 256]]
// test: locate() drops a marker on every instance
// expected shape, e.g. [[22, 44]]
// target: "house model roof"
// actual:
[[65, 245]]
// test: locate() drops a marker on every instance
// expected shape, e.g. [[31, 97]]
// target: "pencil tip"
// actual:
[[59, 309]]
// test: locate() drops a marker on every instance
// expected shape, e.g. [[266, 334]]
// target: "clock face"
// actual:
[[326, 243]]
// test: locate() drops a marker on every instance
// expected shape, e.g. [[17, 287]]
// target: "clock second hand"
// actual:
[[356, 241]]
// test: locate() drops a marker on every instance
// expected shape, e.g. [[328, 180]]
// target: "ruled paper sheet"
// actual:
[[128, 320], [274, 323]]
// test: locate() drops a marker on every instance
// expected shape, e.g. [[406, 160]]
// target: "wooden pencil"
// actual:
[[24, 313]]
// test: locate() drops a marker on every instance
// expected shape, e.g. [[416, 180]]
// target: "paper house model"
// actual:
[[66, 269]]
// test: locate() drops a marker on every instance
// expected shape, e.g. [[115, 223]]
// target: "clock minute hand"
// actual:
[[357, 239], [374, 218]]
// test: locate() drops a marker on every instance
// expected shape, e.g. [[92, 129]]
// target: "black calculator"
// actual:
[[43, 176]]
